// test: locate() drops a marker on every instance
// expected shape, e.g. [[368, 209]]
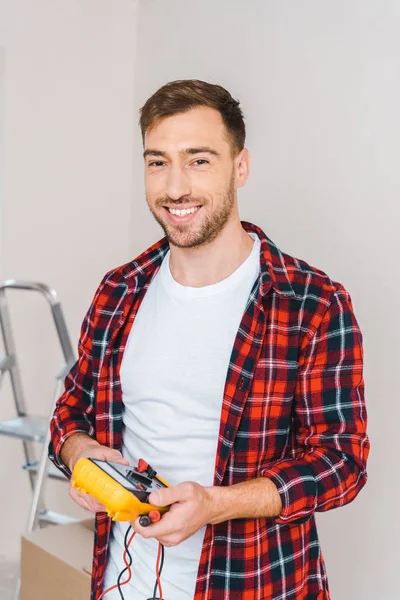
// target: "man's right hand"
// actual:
[[84, 446]]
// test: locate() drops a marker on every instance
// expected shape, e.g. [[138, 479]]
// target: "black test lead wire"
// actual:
[[159, 574], [125, 569], [130, 560]]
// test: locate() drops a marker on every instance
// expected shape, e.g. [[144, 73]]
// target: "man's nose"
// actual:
[[178, 184]]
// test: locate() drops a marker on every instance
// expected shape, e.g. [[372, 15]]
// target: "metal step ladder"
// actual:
[[27, 428]]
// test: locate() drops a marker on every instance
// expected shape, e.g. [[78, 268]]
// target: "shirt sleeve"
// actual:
[[74, 410], [327, 467]]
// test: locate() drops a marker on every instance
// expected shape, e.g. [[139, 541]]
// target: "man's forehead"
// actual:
[[200, 127]]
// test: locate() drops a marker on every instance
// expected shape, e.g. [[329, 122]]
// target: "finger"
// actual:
[[80, 499], [121, 460], [115, 456], [96, 505], [166, 496], [136, 526], [86, 501], [155, 530], [145, 532]]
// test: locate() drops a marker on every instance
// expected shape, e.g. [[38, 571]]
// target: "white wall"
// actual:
[[319, 84], [67, 186], [1, 144]]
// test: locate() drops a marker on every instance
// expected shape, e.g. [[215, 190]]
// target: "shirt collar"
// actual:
[[272, 264]]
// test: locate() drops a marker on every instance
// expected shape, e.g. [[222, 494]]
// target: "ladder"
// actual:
[[27, 428]]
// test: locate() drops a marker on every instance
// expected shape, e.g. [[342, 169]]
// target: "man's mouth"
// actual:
[[182, 212]]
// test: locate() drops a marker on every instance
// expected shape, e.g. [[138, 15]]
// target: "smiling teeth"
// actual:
[[182, 212]]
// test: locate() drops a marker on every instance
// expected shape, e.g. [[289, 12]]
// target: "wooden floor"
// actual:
[[8, 574]]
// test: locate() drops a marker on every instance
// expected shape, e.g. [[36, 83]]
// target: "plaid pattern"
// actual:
[[293, 410]]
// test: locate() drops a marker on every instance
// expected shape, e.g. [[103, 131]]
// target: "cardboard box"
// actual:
[[56, 562]]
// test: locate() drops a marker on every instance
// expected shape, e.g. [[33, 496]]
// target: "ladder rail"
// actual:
[[58, 317], [42, 471], [9, 364]]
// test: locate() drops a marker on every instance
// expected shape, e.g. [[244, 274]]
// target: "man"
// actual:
[[234, 369]]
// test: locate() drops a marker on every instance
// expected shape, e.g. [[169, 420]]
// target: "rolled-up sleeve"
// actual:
[[327, 468]]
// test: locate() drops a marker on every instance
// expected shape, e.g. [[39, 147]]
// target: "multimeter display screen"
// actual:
[[126, 476], [117, 472]]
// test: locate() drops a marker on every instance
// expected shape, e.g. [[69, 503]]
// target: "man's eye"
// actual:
[[202, 160], [156, 163]]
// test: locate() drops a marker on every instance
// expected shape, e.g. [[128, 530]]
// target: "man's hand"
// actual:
[[85, 447], [192, 508]]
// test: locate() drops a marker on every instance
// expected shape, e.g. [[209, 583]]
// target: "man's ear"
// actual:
[[242, 167]]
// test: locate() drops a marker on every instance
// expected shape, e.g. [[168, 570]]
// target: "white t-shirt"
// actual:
[[173, 375]]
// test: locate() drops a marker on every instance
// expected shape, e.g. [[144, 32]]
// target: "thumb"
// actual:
[[121, 460], [162, 497], [115, 456]]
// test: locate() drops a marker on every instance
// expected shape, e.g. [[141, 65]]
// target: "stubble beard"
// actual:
[[186, 236]]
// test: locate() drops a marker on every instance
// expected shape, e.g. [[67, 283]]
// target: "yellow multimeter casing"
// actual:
[[123, 490]]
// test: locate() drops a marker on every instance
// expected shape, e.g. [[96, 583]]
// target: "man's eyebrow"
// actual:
[[199, 150], [154, 153]]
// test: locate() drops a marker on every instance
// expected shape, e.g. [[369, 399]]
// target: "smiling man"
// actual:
[[233, 368]]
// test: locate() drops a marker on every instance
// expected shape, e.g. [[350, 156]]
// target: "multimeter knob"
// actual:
[[142, 465], [153, 517], [145, 520]]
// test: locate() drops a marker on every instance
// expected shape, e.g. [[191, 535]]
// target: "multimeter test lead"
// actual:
[[124, 492]]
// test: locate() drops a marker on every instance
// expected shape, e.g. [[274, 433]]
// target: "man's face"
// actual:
[[189, 169]]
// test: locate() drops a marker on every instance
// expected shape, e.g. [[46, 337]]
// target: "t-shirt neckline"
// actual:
[[183, 291]]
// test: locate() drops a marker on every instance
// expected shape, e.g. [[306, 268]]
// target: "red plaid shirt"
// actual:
[[293, 411]]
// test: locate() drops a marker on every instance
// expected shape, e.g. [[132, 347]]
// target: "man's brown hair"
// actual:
[[184, 94]]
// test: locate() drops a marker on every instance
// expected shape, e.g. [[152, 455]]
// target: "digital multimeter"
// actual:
[[123, 490]]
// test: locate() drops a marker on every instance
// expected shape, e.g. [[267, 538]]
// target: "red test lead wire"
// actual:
[[157, 570], [114, 587]]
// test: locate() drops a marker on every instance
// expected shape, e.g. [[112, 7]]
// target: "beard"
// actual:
[[211, 224]]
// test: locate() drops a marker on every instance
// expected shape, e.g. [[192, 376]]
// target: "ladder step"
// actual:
[[53, 472], [55, 518], [29, 429]]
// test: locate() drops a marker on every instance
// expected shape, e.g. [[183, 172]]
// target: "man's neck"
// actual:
[[210, 263]]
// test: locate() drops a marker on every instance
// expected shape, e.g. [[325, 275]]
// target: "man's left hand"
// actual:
[[191, 508]]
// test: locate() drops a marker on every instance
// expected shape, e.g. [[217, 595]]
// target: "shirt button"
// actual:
[[241, 383]]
